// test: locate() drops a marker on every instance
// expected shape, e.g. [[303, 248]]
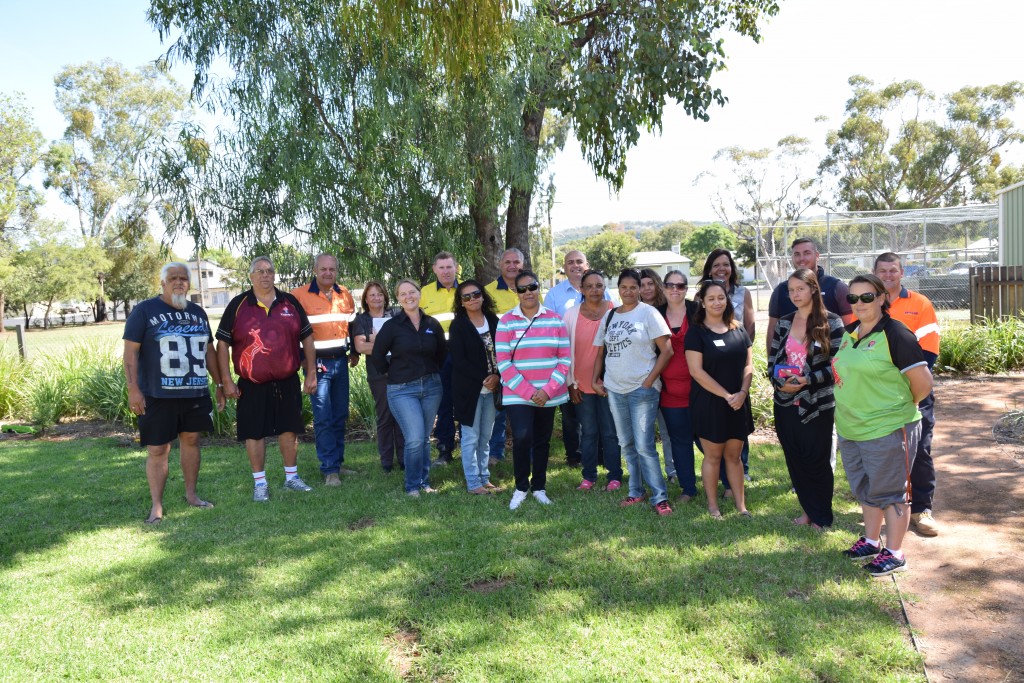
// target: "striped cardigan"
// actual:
[[542, 357], [818, 395]]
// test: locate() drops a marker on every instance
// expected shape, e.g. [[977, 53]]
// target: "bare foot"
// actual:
[[715, 513], [801, 520], [155, 516], [198, 502]]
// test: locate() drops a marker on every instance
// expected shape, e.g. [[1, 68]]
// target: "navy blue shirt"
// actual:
[[172, 353], [833, 291]]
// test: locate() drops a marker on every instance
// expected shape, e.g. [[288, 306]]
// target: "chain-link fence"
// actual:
[[937, 246]]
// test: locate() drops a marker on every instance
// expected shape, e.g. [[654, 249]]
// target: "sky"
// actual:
[[776, 88]]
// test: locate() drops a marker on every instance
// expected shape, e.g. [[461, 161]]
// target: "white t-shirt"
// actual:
[[629, 346]]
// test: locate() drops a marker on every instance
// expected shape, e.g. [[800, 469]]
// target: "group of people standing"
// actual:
[[458, 351]]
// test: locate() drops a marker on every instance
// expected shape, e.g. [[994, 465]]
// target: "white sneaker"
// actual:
[[517, 499], [542, 497]]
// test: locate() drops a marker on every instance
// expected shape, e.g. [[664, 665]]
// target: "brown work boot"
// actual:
[[332, 480], [924, 524]]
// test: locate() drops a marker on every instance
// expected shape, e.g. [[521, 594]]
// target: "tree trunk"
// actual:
[[99, 310], [517, 224], [484, 212]]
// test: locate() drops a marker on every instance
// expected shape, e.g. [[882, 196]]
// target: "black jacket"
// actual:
[[414, 354], [469, 365]]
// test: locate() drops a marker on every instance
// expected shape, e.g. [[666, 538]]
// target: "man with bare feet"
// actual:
[[168, 352]]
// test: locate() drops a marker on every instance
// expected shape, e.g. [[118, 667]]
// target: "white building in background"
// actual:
[[661, 262], [210, 285]]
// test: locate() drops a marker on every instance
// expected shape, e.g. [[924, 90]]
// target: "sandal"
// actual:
[[715, 514]]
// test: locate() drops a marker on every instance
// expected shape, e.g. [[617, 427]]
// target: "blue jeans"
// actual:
[[330, 412], [666, 446], [598, 427], [635, 414], [497, 445], [679, 430], [475, 449], [414, 405], [444, 432]]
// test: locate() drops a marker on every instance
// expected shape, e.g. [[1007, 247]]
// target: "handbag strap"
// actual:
[[513, 360]]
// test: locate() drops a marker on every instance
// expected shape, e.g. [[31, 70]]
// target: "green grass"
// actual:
[[337, 584]]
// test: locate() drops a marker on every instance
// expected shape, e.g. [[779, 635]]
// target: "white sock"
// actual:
[[898, 554], [260, 478], [291, 473], [873, 542]]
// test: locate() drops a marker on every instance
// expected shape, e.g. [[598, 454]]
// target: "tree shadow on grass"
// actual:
[[581, 589]]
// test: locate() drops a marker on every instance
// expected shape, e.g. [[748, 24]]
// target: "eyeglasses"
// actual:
[[532, 287], [472, 295], [263, 271], [866, 297], [676, 285]]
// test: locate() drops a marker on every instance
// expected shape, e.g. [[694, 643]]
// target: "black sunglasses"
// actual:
[[476, 294], [866, 297], [676, 285], [532, 287]]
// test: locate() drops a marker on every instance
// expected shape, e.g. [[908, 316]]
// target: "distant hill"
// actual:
[[563, 237]]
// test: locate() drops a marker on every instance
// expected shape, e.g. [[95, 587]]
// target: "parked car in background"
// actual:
[[962, 267], [915, 270]]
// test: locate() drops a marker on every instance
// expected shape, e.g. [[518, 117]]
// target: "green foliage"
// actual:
[[12, 379], [703, 240], [992, 347], [900, 147], [21, 149], [666, 237], [610, 252]]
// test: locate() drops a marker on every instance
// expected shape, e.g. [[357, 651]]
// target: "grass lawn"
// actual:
[[361, 583]]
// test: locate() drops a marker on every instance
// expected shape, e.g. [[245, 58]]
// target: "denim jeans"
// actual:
[[531, 445], [330, 412], [571, 436], [635, 414], [666, 446], [598, 427], [679, 430], [497, 445], [475, 449], [414, 405], [444, 431]]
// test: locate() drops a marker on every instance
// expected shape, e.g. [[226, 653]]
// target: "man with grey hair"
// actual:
[[330, 308], [263, 328], [168, 353], [503, 290]]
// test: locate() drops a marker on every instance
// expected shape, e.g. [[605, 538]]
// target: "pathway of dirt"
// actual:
[[965, 587]]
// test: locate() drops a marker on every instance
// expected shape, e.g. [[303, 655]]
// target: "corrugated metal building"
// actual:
[[1011, 225]]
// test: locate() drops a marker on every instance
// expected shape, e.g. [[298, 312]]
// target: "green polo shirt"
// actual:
[[873, 397]]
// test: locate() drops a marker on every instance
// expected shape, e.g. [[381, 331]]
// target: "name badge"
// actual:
[[518, 334], [720, 342]]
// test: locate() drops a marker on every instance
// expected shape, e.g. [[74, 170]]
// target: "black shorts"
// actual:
[[165, 418], [269, 409]]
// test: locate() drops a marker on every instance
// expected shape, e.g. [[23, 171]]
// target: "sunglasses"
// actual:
[[676, 285], [532, 287], [867, 297], [472, 295]]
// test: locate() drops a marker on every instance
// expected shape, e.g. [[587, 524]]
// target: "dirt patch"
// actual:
[[485, 586], [362, 523], [965, 588], [403, 648]]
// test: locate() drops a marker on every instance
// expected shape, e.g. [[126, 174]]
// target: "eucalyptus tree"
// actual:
[[902, 147], [347, 127]]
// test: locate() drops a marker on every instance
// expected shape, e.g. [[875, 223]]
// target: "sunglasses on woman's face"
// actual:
[[866, 297], [532, 287], [472, 295], [675, 285]]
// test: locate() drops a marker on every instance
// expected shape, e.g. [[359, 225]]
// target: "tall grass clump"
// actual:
[[761, 392], [993, 347], [55, 383], [104, 389], [13, 373]]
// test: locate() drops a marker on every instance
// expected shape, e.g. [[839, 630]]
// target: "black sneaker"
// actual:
[[862, 550], [885, 563]]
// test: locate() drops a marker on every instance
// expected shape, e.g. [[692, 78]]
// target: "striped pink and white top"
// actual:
[[541, 358]]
